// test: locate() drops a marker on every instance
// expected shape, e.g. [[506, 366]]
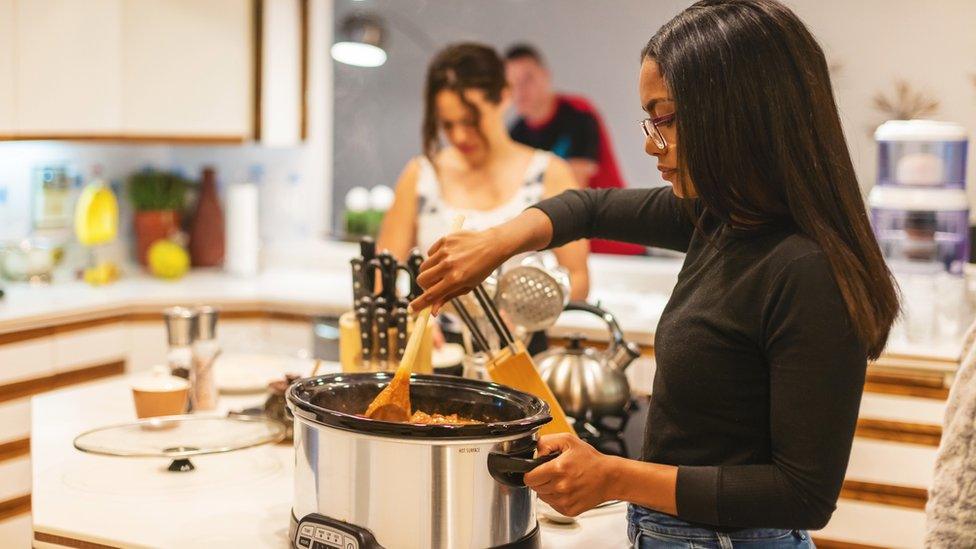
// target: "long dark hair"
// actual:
[[460, 67], [761, 140]]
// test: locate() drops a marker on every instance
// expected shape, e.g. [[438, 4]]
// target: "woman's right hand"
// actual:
[[462, 260], [456, 264]]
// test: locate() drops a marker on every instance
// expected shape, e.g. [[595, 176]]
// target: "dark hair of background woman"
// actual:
[[460, 67], [760, 138]]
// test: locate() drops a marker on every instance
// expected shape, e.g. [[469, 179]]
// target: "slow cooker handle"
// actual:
[[509, 469]]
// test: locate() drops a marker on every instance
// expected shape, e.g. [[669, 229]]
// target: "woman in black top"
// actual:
[[782, 298]]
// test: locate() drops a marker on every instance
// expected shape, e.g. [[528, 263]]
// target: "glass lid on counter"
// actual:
[[180, 436]]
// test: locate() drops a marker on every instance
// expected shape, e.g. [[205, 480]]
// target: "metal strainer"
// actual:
[[531, 296]]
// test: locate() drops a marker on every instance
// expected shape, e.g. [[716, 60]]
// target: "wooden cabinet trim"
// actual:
[[14, 449], [899, 431], [14, 507], [38, 385], [885, 494], [131, 138], [70, 542]]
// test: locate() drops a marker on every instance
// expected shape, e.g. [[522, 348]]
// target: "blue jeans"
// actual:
[[652, 530]]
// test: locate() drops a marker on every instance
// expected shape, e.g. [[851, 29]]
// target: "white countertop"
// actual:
[[238, 499], [314, 279]]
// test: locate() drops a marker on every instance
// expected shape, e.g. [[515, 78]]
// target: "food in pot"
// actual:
[[440, 419]]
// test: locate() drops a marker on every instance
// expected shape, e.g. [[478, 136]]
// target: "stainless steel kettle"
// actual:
[[587, 382]]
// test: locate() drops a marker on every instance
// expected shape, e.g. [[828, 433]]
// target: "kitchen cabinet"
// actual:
[[282, 77], [160, 70], [14, 420], [90, 347], [28, 359], [187, 68], [6, 68], [67, 67], [15, 478]]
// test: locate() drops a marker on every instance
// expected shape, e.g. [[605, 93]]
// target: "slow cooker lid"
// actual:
[[337, 400]]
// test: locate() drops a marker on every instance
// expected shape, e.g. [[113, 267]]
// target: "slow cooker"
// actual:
[[363, 484]]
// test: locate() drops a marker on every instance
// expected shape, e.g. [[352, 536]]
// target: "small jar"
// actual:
[[203, 392]]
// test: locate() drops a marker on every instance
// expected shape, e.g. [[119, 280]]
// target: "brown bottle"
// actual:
[[207, 228]]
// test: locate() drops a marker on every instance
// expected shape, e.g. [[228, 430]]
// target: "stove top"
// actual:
[[621, 435]]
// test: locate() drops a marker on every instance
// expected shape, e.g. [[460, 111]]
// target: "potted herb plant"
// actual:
[[159, 198]]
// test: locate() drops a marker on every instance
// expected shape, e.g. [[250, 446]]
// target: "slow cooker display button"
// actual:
[[308, 530], [305, 542]]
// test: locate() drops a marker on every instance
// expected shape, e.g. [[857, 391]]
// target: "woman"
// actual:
[[783, 296], [482, 173]]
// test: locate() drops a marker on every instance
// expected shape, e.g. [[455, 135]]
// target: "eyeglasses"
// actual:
[[651, 127]]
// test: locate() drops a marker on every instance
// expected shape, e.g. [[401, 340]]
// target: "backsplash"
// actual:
[[292, 204]]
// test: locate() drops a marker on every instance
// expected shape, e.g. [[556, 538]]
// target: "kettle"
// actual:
[[589, 383]]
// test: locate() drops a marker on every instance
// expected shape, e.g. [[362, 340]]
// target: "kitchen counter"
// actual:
[[238, 499], [315, 280]]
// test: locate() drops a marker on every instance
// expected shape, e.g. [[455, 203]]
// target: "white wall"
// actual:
[[931, 44]]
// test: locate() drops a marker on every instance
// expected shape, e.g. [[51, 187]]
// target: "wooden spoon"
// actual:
[[393, 402]]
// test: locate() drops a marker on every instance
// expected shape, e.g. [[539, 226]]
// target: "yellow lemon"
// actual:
[[168, 259]]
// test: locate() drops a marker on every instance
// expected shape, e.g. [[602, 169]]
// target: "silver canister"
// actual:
[[181, 331]]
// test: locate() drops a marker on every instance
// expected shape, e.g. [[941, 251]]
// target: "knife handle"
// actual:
[[388, 268], [367, 248], [401, 332], [382, 337], [365, 335], [413, 267], [358, 278]]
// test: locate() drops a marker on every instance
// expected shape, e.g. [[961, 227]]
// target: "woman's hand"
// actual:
[[576, 481], [456, 264], [460, 261]]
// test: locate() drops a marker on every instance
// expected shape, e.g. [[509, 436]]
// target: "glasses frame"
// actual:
[[650, 127]]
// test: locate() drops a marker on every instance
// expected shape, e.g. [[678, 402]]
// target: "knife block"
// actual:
[[351, 348], [516, 370]]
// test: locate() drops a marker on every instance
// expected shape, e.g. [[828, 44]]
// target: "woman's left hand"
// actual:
[[576, 481]]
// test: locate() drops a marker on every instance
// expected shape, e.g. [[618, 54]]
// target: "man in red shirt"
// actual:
[[569, 126]]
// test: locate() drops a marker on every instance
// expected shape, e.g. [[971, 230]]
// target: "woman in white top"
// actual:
[[481, 172]]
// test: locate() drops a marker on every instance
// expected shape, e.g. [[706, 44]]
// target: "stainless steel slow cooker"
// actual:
[[361, 483]]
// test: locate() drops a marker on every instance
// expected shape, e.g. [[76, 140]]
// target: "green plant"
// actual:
[[151, 189]]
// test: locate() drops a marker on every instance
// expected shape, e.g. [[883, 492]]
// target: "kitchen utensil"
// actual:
[[382, 320], [359, 287], [414, 261], [531, 295], [180, 437], [402, 320], [206, 350], [181, 331], [393, 403], [388, 270], [513, 366], [494, 318], [364, 316], [425, 486], [588, 383], [473, 328]]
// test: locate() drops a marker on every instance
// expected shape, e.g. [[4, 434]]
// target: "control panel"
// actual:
[[320, 532]]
